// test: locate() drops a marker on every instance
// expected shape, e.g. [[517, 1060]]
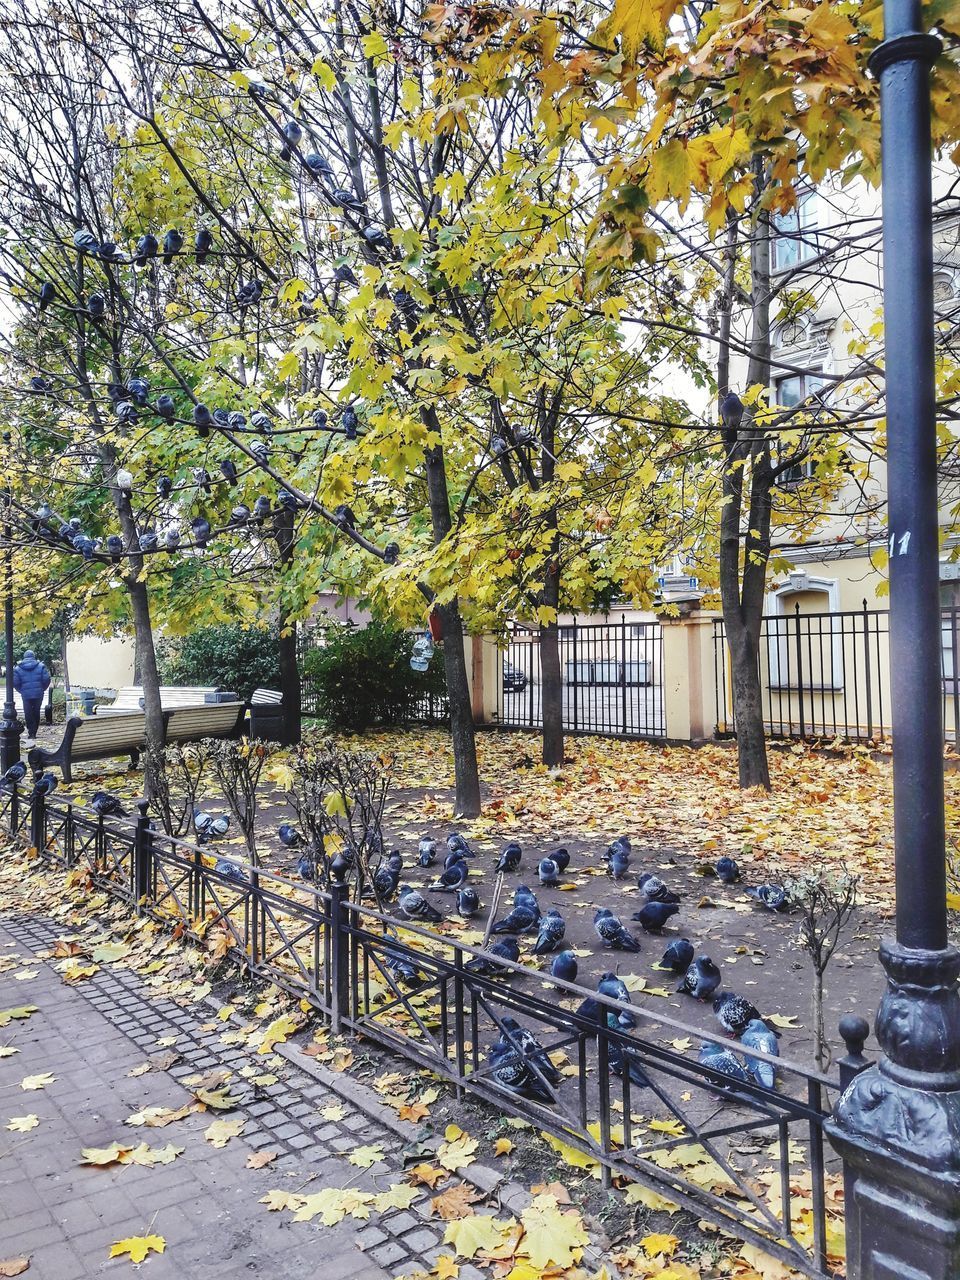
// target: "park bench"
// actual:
[[130, 698], [122, 734]]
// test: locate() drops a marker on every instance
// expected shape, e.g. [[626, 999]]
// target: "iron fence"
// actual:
[[611, 678], [629, 1099], [827, 675]]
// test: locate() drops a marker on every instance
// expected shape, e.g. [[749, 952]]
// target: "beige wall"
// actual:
[[93, 663]]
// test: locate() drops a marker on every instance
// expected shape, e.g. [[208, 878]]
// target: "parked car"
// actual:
[[514, 680]]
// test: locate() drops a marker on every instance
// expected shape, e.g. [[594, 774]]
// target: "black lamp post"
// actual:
[[897, 1125], [9, 725]]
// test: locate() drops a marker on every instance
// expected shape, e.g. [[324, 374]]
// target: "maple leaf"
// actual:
[[478, 1233], [22, 1124], [219, 1133], [457, 1150], [138, 1247], [503, 1147], [159, 1117], [445, 1268], [37, 1082], [414, 1111], [455, 1202], [20, 1012], [658, 1243], [426, 1174], [13, 1266], [259, 1159], [277, 1032], [552, 1235], [104, 1155], [7, 1051], [673, 1127], [636, 1193], [332, 1111], [276, 1200], [364, 1157], [400, 1196]]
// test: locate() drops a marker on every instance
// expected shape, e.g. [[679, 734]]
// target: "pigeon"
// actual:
[[772, 896], [171, 538], [564, 967], [202, 244], [344, 275], [611, 932], [239, 515], [292, 135], [107, 250], [510, 857], [45, 785], [345, 198], [261, 422], [210, 826], [407, 307], [40, 385], [757, 1035], [221, 418], [164, 486], [550, 932], [415, 906], [96, 307], [613, 988], [261, 451], [147, 248], [385, 879], [403, 968], [499, 445], [85, 241], [249, 293], [86, 546], [348, 420], [731, 406], [723, 1060], [318, 165], [678, 956], [524, 918], [562, 858], [232, 870], [126, 412], [47, 295], [287, 501], [727, 870], [620, 845], [618, 864], [654, 915], [166, 408], [202, 420], [319, 419], [343, 517], [172, 244], [452, 878], [306, 868], [457, 844], [200, 528], [115, 548], [510, 1068], [229, 470], [201, 478], [107, 805], [468, 902], [548, 872], [488, 962], [427, 851], [654, 890], [391, 553], [734, 1012], [289, 836], [14, 775], [377, 238], [701, 979], [138, 389], [618, 1057], [237, 421], [261, 508]]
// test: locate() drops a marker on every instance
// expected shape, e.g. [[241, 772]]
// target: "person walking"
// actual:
[[31, 679]]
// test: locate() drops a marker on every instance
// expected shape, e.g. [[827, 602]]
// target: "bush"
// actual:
[[362, 677], [230, 656]]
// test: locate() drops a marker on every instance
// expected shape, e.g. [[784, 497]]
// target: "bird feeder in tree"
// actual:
[[435, 624]]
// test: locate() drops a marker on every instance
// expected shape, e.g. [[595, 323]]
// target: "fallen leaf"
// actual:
[[13, 1266], [138, 1247], [457, 1150], [22, 1124], [445, 1268], [503, 1147], [455, 1202], [332, 1111], [159, 1117], [260, 1159], [364, 1157], [20, 1012], [426, 1174], [480, 1232], [781, 1020], [413, 1111], [656, 1244], [552, 1235], [276, 1200], [7, 1051], [219, 1133], [37, 1082]]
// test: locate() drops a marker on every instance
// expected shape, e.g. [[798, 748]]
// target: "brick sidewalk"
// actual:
[[64, 1216]]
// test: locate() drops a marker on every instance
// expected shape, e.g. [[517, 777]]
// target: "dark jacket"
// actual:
[[31, 678]]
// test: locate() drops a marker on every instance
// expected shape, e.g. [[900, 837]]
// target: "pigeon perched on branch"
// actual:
[[48, 294], [147, 248], [172, 244], [292, 136], [166, 408], [202, 244]]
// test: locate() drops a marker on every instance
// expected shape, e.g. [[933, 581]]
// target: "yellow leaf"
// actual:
[[22, 1011], [138, 1247], [219, 1133], [277, 1032], [551, 1235], [13, 1266], [275, 1200], [480, 1232], [673, 1127], [636, 1193], [782, 1020], [324, 73], [457, 1150], [22, 1124], [503, 1147], [364, 1157], [37, 1082], [445, 1268], [658, 1243], [332, 1111]]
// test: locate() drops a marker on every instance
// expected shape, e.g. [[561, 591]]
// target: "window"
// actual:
[[795, 234], [791, 391]]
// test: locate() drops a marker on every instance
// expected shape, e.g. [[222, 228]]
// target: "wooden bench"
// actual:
[[266, 715], [130, 698], [122, 734]]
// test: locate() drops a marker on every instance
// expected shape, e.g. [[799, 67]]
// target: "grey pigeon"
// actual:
[[172, 244], [734, 1013], [427, 851], [701, 979], [772, 896], [611, 932], [654, 915], [550, 932], [510, 857], [723, 1060], [415, 906], [488, 962], [757, 1035], [678, 956]]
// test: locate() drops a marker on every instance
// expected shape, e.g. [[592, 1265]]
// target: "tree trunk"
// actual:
[[289, 666], [462, 734], [551, 677], [823, 1055], [748, 709], [143, 632]]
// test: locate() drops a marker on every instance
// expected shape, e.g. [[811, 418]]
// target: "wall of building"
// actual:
[[93, 663]]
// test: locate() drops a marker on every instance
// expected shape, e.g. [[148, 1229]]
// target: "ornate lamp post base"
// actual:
[[10, 729], [897, 1127]]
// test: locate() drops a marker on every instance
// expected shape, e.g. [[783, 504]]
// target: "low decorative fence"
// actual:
[[626, 1098]]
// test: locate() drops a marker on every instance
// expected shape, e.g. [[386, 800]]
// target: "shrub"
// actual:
[[230, 656], [362, 677]]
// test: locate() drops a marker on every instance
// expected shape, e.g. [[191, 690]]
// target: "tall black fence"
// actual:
[[631, 1100], [611, 677], [827, 675]]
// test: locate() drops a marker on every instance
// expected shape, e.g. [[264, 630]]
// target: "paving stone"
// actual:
[[401, 1222], [385, 1254], [419, 1241]]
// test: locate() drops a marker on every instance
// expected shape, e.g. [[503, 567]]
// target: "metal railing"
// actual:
[[611, 677], [627, 1099], [827, 675]]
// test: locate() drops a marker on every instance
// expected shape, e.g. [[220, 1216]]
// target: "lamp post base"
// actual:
[[897, 1127], [9, 742]]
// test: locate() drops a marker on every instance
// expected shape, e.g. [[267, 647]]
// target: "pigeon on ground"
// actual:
[[172, 244], [564, 967], [488, 963], [468, 902], [306, 868], [386, 878], [289, 836], [45, 785], [512, 1072], [727, 870], [654, 890], [772, 896], [613, 988], [618, 864], [457, 844], [107, 805], [510, 857], [619, 845], [757, 1035], [678, 956], [232, 870], [723, 1060], [550, 933], [210, 826], [654, 915], [14, 775], [451, 878], [548, 872], [701, 979], [611, 932], [524, 917], [427, 851], [734, 1013], [403, 968], [415, 906], [519, 1044], [562, 858], [618, 1057]]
